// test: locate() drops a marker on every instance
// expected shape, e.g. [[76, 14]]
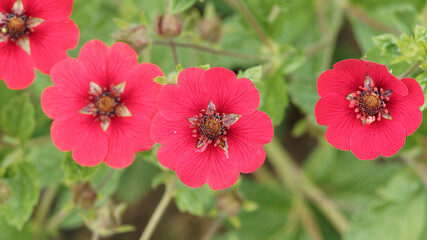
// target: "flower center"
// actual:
[[15, 26], [370, 102], [105, 103], [211, 127]]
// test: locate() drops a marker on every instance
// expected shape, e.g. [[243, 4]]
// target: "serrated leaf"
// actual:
[[387, 44], [196, 201], [23, 180], [17, 117], [74, 172], [179, 6]]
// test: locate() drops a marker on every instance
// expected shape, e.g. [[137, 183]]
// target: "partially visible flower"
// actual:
[[102, 104], [209, 127], [34, 33], [366, 109]]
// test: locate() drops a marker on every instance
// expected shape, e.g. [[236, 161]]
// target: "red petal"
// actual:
[[406, 110], [52, 10], [16, 66], [246, 156], [83, 136], [196, 168], [339, 132], [126, 136], [384, 79], [385, 137], [345, 78], [71, 76], [6, 5], [141, 92], [331, 108], [49, 43], [230, 95], [186, 99], [108, 65], [61, 105], [254, 128]]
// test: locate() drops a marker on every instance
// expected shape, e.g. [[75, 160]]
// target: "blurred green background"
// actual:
[[307, 189]]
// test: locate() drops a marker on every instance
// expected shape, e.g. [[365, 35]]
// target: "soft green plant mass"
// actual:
[[306, 189]]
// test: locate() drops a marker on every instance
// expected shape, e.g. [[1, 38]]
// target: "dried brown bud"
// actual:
[[136, 36], [83, 195], [210, 29], [4, 192], [168, 25]]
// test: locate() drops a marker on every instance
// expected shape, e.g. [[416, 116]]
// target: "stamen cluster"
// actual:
[[211, 127], [370, 102], [105, 103], [14, 26]]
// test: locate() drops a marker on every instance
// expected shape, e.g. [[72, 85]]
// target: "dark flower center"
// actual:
[[15, 26], [211, 127], [370, 102], [106, 103]]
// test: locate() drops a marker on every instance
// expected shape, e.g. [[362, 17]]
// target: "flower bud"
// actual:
[[135, 36], [168, 25], [83, 195], [210, 29], [4, 192]]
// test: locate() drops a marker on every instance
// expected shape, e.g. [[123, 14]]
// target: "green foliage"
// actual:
[[17, 117], [196, 201], [75, 172], [9, 232], [181, 5], [399, 213], [23, 179]]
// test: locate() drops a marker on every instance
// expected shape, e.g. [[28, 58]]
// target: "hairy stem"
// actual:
[[213, 51], [174, 53], [160, 209]]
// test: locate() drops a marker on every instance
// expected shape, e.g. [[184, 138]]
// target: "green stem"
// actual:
[[57, 219], [292, 176], [43, 208], [213, 51], [411, 69], [174, 53], [213, 228], [160, 209], [253, 22]]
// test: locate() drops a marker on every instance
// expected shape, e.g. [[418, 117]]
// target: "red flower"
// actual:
[[102, 104], [209, 127], [34, 33], [366, 109]]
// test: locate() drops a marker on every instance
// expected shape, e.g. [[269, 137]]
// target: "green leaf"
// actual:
[[274, 97], [254, 74], [47, 159], [23, 180], [140, 174], [179, 6], [197, 201], [74, 172], [387, 44], [17, 118], [399, 214], [106, 180], [9, 232]]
